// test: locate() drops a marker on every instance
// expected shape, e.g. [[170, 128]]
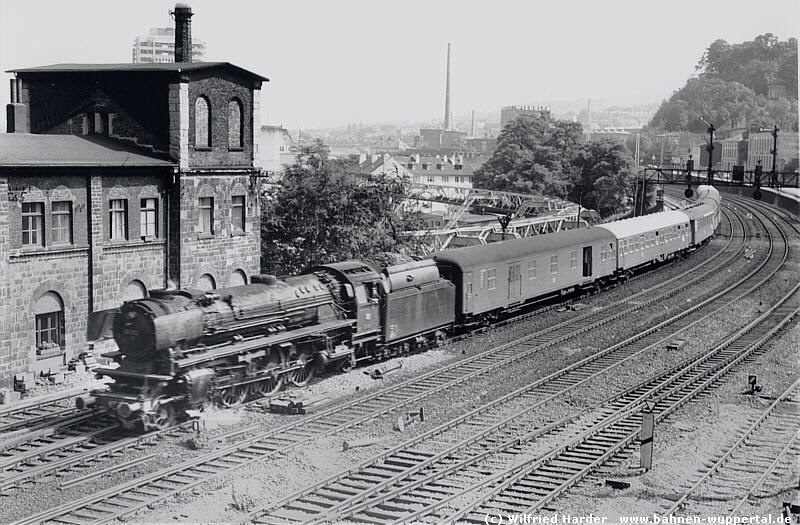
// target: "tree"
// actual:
[[733, 87], [532, 156], [603, 177], [318, 213]]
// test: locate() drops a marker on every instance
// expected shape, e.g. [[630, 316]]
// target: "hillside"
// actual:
[[752, 84]]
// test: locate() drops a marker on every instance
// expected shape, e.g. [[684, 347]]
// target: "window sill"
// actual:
[[202, 148], [201, 236], [43, 251], [235, 149], [46, 353], [238, 233], [130, 245]]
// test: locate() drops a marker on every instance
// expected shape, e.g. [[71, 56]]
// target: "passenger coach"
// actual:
[[498, 276], [650, 238]]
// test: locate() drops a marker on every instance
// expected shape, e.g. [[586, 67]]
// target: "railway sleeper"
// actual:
[[374, 513], [525, 492], [316, 500], [338, 489]]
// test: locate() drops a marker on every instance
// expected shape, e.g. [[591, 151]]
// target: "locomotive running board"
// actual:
[[258, 343]]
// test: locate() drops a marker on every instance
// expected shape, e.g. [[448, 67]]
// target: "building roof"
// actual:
[[26, 149], [150, 67]]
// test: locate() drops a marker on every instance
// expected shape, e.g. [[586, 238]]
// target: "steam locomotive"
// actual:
[[180, 350]]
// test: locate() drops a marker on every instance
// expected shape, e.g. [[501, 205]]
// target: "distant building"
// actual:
[[509, 113], [274, 149], [759, 147], [776, 90], [439, 138], [159, 46], [733, 153], [388, 144], [481, 145], [612, 134]]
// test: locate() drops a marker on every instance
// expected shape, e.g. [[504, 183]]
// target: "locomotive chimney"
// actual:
[[183, 32]]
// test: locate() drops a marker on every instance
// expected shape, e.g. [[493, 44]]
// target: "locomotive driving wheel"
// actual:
[[162, 416], [231, 396], [266, 386], [302, 375]]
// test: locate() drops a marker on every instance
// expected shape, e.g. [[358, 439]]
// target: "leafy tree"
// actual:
[[532, 156], [318, 213], [603, 177], [753, 63], [732, 88]]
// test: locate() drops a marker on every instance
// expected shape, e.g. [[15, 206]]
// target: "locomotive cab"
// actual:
[[358, 293]]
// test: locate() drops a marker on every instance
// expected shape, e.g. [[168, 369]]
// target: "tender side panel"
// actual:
[[417, 310]]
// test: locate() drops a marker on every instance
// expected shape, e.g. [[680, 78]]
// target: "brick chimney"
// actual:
[[183, 32]]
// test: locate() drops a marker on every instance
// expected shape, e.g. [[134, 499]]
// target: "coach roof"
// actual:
[[520, 249], [646, 223]]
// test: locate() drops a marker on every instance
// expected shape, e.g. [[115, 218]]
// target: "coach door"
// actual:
[[514, 282], [587, 261], [468, 292]]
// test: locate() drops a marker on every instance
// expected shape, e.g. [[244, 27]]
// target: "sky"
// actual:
[[333, 62]]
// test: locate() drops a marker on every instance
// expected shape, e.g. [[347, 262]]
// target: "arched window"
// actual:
[[202, 123], [235, 124], [135, 290], [49, 311], [238, 278], [206, 282]]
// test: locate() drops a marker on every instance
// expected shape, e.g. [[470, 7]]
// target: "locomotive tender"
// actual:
[[187, 349]]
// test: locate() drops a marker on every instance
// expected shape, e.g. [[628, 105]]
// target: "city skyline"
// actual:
[[352, 61]]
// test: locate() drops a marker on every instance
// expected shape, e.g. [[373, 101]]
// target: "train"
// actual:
[[184, 350]]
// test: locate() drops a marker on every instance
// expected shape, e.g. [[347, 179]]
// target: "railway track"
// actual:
[[149, 489], [740, 474], [341, 496], [532, 484], [45, 410]]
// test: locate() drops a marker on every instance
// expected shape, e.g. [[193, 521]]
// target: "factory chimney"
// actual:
[[447, 114], [183, 32]]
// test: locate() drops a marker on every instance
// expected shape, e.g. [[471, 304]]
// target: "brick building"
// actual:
[[116, 179]]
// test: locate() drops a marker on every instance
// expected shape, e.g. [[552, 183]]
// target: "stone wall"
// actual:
[[225, 251], [219, 89]]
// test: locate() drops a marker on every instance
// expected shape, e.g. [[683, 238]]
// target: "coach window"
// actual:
[[118, 215], [49, 311], [33, 223], [554, 264], [491, 279], [62, 222], [573, 259], [532, 269]]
